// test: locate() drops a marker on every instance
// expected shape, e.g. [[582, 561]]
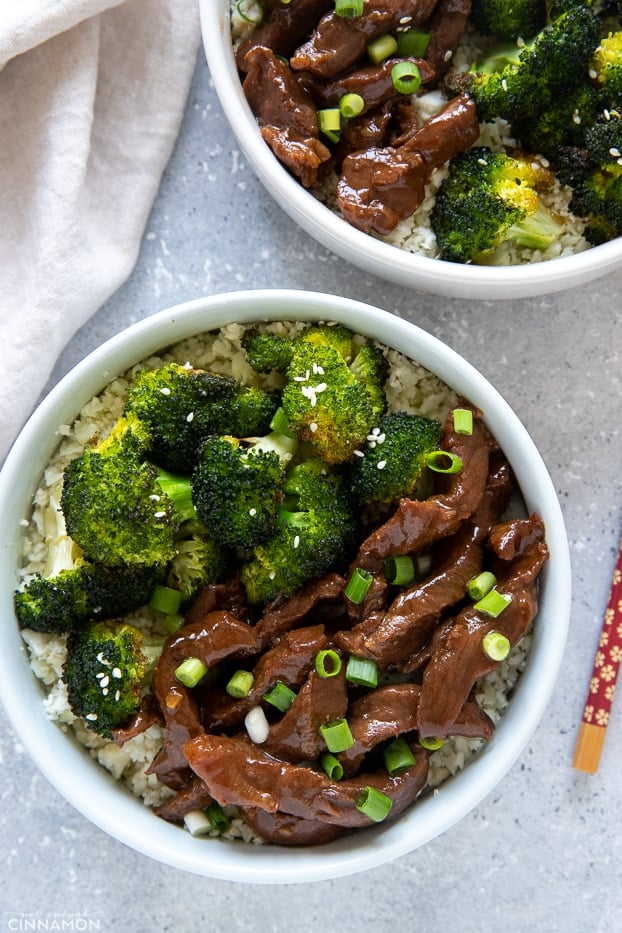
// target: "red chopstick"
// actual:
[[603, 681]]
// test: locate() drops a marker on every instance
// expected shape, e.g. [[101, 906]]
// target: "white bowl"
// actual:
[[371, 254], [88, 787]]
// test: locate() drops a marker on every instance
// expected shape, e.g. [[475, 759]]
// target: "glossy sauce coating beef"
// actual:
[[304, 57]]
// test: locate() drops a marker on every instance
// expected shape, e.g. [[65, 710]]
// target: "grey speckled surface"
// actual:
[[541, 853]]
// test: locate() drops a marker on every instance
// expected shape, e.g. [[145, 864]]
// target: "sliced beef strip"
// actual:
[[458, 660], [372, 82], [217, 637], [509, 540], [296, 735], [289, 661], [148, 715], [446, 26], [192, 796], [337, 43], [313, 598], [286, 114], [285, 830], [379, 187], [418, 523], [392, 637], [284, 29], [229, 595], [237, 772]]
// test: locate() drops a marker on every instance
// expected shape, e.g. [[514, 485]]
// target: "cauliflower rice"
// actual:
[[410, 387]]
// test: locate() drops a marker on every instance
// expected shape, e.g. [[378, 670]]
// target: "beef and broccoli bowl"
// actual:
[[281, 580]]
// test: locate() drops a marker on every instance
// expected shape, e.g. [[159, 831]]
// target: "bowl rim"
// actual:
[[368, 252], [91, 790]]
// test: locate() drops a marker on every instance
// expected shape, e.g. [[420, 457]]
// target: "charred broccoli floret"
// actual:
[[315, 533], [508, 20], [105, 672], [606, 68], [181, 407], [371, 367], [266, 352], [121, 509], [88, 591], [199, 560], [394, 461], [236, 487], [487, 199], [560, 125]]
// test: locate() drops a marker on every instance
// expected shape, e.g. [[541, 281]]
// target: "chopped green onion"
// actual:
[[463, 421], [493, 603], [351, 105], [197, 823], [349, 9], [406, 77], [441, 461], [332, 766], [358, 585], [218, 819], [480, 585], [374, 804], [431, 744], [191, 671], [399, 570], [240, 684], [327, 663], [165, 599], [382, 48], [496, 646], [173, 621], [337, 735], [280, 423], [329, 120], [398, 756], [251, 11], [413, 43], [280, 696], [362, 671]]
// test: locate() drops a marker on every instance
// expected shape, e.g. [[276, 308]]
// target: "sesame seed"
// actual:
[[619, 161], [165, 391], [190, 417], [116, 673], [405, 19], [504, 85], [615, 152], [381, 464], [104, 681], [593, 73], [321, 387], [576, 117], [381, 438], [252, 512], [482, 162], [606, 115], [359, 453], [117, 696], [105, 692], [520, 42], [447, 55], [296, 541], [154, 498], [159, 514], [92, 717], [313, 427], [272, 575], [100, 675]]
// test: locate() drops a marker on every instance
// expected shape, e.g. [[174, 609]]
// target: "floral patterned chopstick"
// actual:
[[603, 681]]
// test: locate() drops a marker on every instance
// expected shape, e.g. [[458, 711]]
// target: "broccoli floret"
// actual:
[[105, 671], [72, 597], [324, 402], [316, 532], [393, 463], [606, 68], [371, 367], [603, 140], [561, 125], [598, 198], [116, 509], [489, 198], [509, 20], [331, 335], [236, 487], [266, 352], [199, 560], [182, 406]]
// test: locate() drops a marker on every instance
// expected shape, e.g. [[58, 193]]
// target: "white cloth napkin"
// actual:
[[92, 93]]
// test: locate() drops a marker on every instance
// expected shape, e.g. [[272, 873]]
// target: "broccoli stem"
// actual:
[[177, 489], [536, 231]]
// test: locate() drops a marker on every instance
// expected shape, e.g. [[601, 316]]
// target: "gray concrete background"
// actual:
[[544, 851]]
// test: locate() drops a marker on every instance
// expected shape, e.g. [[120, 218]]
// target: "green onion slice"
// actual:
[[358, 585], [280, 423], [280, 696], [441, 461], [337, 735], [406, 77], [240, 684], [398, 756], [251, 11], [382, 48], [327, 663], [191, 671], [331, 766], [493, 603], [349, 9], [496, 646], [218, 819], [362, 671], [351, 105], [165, 599], [329, 120], [431, 744], [463, 420], [374, 804], [480, 585], [197, 823], [413, 43], [173, 621], [399, 570]]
